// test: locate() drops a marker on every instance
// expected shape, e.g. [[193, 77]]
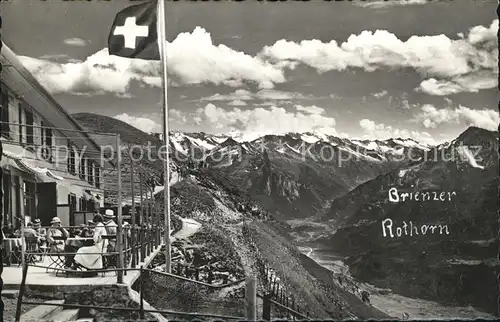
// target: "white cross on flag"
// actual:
[[134, 34]]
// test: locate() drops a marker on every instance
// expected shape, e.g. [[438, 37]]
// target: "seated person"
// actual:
[[8, 231], [111, 229], [85, 232], [91, 257], [29, 231], [40, 231], [58, 232]]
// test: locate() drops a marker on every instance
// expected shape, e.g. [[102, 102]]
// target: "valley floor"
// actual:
[[392, 304]]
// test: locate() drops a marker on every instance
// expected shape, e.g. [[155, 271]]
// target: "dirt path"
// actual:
[[188, 229]]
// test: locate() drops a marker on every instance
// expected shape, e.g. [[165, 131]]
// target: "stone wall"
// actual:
[[102, 295]]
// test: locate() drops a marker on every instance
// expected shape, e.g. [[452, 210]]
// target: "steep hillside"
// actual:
[[457, 186], [223, 210]]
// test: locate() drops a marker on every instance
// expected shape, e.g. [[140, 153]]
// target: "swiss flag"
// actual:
[[134, 32]]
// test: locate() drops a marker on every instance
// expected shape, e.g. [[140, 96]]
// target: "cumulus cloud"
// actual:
[[78, 42], [142, 123], [237, 103], [464, 62], [195, 59], [313, 109], [272, 120], [245, 95], [447, 66], [471, 83], [431, 117], [99, 73], [382, 131], [192, 59]]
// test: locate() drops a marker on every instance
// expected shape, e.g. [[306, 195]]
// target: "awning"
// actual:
[[38, 171], [10, 163], [20, 164]]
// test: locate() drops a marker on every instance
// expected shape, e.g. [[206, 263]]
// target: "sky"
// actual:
[[417, 69]]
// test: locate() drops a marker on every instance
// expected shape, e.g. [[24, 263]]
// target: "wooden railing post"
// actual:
[[136, 245], [151, 238], [266, 307], [132, 245], [125, 250], [251, 298], [21, 292], [143, 250], [141, 290]]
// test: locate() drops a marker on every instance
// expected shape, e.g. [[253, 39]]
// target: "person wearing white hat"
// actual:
[[56, 230], [111, 230]]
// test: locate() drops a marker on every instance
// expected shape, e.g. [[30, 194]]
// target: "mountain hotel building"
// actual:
[[45, 172]]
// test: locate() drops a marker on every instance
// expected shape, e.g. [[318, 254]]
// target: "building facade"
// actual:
[[51, 166]]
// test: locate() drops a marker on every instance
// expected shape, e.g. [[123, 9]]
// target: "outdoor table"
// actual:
[[80, 242]]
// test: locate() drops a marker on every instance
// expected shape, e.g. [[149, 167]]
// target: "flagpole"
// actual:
[[162, 39]]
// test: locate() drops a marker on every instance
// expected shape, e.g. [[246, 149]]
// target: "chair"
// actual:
[[109, 260], [58, 262], [32, 254]]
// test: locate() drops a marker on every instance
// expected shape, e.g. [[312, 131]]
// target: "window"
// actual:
[[4, 112], [90, 174], [83, 204], [6, 196], [30, 120], [72, 202], [97, 173], [83, 169], [21, 127], [71, 159], [48, 135], [46, 142]]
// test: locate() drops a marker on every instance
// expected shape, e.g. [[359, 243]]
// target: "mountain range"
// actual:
[[333, 193]]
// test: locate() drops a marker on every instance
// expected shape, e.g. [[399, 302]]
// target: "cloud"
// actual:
[[384, 4], [272, 120], [195, 59], [431, 117], [142, 123], [192, 59], [463, 62], [98, 74], [380, 94], [77, 42], [470, 83], [237, 103], [245, 95], [381, 131], [313, 109]]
